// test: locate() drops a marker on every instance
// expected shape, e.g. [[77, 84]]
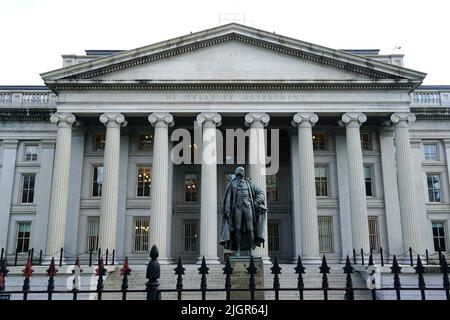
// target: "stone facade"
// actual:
[[369, 109]]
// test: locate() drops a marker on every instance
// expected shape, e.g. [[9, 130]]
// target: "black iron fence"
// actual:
[[153, 272]]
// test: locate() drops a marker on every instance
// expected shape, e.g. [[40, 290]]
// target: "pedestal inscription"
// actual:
[[240, 279]]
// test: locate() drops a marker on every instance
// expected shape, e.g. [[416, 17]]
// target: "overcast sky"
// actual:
[[34, 33]]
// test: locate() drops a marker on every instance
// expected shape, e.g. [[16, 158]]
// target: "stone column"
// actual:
[[60, 183], [208, 187], [110, 191], [159, 194], [405, 176], [257, 166], [307, 187], [6, 187], [357, 188]]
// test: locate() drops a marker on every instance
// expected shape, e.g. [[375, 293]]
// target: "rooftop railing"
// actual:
[[27, 97]]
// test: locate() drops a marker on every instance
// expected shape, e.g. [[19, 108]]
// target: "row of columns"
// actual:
[[257, 154]]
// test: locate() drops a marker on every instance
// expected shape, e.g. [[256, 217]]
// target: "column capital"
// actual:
[[210, 120], [161, 120], [113, 119], [403, 118], [352, 119], [257, 120], [304, 119], [62, 119]]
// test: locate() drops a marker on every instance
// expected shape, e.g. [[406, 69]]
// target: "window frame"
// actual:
[[145, 219], [22, 189], [369, 141], [88, 235], [16, 244], [429, 143], [195, 238], [330, 235], [444, 237], [150, 148], [441, 200], [372, 179], [271, 238], [95, 141], [184, 187], [315, 143], [95, 166], [26, 145], [277, 194], [326, 167], [145, 167], [374, 236]]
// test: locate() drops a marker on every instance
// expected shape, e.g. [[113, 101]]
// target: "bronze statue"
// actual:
[[243, 214]]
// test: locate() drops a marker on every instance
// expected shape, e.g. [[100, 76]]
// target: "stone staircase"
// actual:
[[216, 280]]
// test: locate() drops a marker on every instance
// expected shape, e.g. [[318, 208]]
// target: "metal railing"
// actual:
[[153, 272]]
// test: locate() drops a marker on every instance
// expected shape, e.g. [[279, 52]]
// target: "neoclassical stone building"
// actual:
[[362, 149]]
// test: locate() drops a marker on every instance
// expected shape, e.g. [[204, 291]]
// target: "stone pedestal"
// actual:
[[240, 279]]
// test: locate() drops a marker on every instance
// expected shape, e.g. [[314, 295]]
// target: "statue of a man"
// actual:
[[244, 212]]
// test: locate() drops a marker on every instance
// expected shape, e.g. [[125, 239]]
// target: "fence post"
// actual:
[[370, 263], [76, 271], [40, 257], [228, 271], [411, 262], [396, 270], [61, 256], [381, 256], [15, 257], [27, 272], [427, 256], [51, 272], [90, 257], [153, 274], [106, 254], [100, 271], [300, 270], [348, 269], [324, 270], [125, 272], [32, 255], [1, 257], [446, 283], [276, 271], [3, 273], [99, 254], [251, 270], [179, 271], [420, 270], [354, 256], [440, 255], [362, 256], [203, 270], [113, 256]]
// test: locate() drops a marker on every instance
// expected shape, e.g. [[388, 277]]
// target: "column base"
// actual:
[[208, 260]]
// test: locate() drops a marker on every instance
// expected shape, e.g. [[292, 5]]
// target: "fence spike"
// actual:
[[370, 263], [27, 272], [153, 274], [125, 271], [420, 270], [252, 270], [179, 271], [76, 271], [348, 270], [276, 271], [300, 270], [51, 272], [382, 256], [228, 271], [324, 270], [396, 270], [203, 270], [3, 273], [100, 271], [445, 271]]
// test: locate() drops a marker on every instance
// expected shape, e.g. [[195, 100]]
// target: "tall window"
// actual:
[[325, 234], [31, 153], [365, 141], [434, 187], [28, 181], [97, 180], [23, 236], [144, 182], [272, 188], [374, 235], [92, 233], [430, 151], [141, 230], [321, 181], [100, 138], [368, 179], [439, 236], [145, 141], [319, 141], [274, 235], [190, 236], [191, 187]]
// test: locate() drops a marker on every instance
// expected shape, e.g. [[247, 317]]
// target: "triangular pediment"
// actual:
[[231, 53]]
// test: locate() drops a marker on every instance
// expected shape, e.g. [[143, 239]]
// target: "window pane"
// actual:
[[191, 187], [100, 141], [92, 233], [374, 237], [325, 234], [272, 188], [23, 236], [141, 230], [365, 141], [190, 236], [274, 235], [145, 141], [31, 153], [97, 180], [430, 151], [319, 141], [368, 180], [439, 236], [434, 188], [144, 179], [28, 182], [321, 181]]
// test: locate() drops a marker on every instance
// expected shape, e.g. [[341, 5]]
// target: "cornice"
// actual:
[[437, 113]]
